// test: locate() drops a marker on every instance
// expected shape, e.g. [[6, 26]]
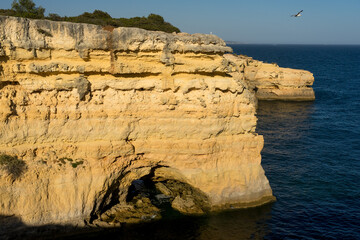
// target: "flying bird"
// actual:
[[298, 14]]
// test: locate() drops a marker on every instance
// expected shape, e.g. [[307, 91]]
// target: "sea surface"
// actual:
[[311, 158], [312, 149]]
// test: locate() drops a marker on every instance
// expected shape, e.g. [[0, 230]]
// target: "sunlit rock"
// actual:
[[89, 111]]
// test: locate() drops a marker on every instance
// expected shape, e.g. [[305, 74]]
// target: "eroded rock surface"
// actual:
[[270, 82], [90, 110]]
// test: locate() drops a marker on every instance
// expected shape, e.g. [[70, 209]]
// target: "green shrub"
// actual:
[[7, 12], [27, 9], [12, 165], [152, 22], [74, 164], [54, 17]]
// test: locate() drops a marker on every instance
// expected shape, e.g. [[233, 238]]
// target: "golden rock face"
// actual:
[[90, 110], [270, 82]]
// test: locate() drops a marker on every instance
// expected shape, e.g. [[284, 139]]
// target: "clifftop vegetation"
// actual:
[[28, 9]]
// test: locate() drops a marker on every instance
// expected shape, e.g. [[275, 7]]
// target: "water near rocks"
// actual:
[[312, 150]]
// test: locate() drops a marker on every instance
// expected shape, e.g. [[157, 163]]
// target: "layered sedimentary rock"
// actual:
[[271, 82], [88, 111]]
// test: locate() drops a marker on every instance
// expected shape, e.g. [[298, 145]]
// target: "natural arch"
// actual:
[[150, 197]]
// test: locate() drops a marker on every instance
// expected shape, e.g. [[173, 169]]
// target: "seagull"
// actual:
[[298, 14]]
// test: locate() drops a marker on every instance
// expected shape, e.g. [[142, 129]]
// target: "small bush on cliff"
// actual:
[[74, 164], [12, 165]]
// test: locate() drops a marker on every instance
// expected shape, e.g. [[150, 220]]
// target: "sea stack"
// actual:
[[86, 110]]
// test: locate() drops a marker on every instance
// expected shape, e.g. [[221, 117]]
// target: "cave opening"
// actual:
[[152, 197]]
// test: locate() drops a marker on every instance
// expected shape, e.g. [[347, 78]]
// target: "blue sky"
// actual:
[[250, 21]]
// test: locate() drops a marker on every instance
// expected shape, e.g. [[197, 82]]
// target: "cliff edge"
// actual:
[[108, 124], [268, 81]]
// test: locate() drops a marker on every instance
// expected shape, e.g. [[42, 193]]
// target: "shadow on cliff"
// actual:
[[14, 166], [248, 223]]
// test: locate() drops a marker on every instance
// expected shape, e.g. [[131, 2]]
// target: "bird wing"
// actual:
[[296, 15]]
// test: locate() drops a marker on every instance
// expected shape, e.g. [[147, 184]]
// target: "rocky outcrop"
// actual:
[[110, 124], [271, 82]]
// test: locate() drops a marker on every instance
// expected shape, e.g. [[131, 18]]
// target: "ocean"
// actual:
[[312, 149], [311, 158]]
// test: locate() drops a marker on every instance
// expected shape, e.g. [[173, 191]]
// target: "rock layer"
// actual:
[[90, 109], [270, 82]]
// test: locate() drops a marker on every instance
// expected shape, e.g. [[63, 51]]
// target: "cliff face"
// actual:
[[271, 82], [88, 110]]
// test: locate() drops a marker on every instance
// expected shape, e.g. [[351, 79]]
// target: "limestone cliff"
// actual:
[[89, 110], [270, 82]]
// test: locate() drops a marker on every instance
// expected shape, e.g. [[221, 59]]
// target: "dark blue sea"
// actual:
[[312, 149], [311, 158]]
